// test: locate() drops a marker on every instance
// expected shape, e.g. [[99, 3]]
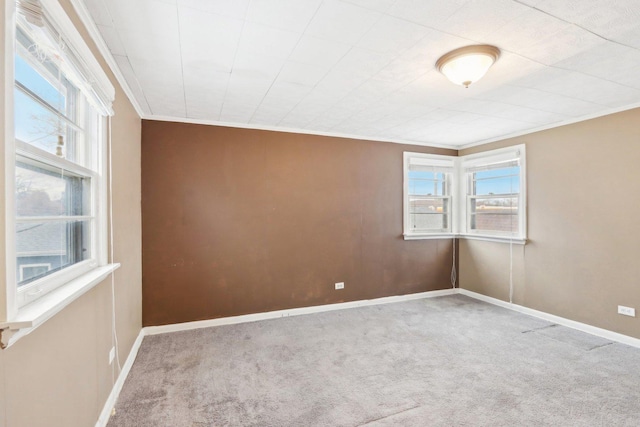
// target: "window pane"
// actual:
[[418, 174], [427, 183], [506, 205], [33, 271], [30, 78], [56, 243], [495, 173], [497, 181], [39, 127], [46, 191], [494, 214], [428, 214], [428, 222], [487, 221]]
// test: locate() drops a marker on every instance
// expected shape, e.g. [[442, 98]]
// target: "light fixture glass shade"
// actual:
[[468, 64]]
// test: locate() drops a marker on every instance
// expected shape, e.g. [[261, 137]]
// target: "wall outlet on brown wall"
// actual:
[[340, 285]]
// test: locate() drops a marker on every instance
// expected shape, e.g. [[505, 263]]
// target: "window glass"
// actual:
[[44, 191], [428, 213], [498, 181], [427, 183], [427, 203], [494, 204], [49, 111], [27, 76], [33, 271], [54, 125], [58, 243]]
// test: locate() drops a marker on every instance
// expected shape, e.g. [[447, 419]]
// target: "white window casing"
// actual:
[[428, 189], [55, 40], [503, 171], [486, 193]]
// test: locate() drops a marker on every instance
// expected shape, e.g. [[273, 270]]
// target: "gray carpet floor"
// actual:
[[448, 361]]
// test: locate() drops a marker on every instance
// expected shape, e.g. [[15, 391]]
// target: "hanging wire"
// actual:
[[114, 333], [454, 273], [511, 244]]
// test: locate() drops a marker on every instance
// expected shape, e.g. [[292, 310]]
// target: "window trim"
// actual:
[[487, 158], [37, 264], [88, 121], [16, 322], [459, 195], [447, 165]]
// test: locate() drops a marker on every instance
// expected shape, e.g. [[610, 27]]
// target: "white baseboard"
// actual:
[[153, 330], [117, 387], [593, 330]]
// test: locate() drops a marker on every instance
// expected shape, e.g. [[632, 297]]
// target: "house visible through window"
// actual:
[[57, 140], [32, 271]]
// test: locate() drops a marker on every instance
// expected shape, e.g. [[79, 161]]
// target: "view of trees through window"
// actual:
[[52, 203]]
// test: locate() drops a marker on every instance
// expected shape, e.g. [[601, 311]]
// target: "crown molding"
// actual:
[[551, 126], [294, 130], [83, 13]]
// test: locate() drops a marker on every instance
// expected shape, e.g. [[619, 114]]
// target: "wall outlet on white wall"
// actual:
[[112, 355], [627, 311], [340, 285]]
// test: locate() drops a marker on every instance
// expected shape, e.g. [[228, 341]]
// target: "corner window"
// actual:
[[494, 184], [428, 204], [476, 196]]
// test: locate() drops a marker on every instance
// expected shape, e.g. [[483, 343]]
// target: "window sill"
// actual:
[[499, 239], [429, 236], [34, 314]]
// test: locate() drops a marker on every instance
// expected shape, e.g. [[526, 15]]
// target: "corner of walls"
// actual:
[[580, 260], [60, 374], [249, 221]]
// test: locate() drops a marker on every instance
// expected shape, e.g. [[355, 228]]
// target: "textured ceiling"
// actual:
[[365, 68]]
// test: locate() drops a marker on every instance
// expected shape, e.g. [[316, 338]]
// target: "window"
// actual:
[[494, 183], [59, 116], [428, 206], [28, 271], [476, 196]]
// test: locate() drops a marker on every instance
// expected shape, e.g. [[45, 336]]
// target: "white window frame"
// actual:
[[61, 288], [487, 159], [440, 164], [460, 193], [23, 266]]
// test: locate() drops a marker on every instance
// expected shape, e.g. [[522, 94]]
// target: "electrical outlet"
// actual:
[[626, 311], [112, 355], [340, 285]]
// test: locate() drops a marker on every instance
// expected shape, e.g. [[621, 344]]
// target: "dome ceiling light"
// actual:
[[467, 64]]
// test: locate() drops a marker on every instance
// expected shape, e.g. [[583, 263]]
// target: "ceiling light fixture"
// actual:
[[467, 64]]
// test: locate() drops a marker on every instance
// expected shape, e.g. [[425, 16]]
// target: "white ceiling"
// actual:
[[365, 68]]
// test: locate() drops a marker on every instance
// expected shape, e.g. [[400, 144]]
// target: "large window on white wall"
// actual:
[[475, 196], [61, 101]]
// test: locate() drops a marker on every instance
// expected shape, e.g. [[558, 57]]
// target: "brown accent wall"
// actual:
[[59, 375], [239, 221], [581, 260]]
